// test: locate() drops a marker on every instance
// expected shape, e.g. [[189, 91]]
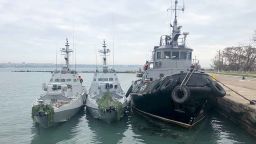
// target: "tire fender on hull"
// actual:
[[180, 94], [129, 91], [167, 84], [217, 89]]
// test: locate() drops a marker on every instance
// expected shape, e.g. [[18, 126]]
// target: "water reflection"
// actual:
[[58, 133], [104, 132], [149, 130]]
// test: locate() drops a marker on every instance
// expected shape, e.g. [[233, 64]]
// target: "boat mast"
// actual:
[[66, 52], [175, 23], [175, 27], [105, 51]]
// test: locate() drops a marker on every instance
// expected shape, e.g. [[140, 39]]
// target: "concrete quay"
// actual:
[[234, 107]]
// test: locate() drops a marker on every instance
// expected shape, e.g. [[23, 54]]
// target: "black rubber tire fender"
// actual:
[[156, 87], [168, 83], [151, 86], [180, 94], [128, 91], [217, 89]]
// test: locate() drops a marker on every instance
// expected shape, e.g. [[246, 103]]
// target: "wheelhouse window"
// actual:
[[111, 79], [68, 80], [158, 55], [74, 80], [189, 55], [183, 55], [62, 80], [57, 80], [175, 55], [103, 79], [167, 54]]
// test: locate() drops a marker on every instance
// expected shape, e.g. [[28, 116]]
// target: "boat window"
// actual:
[[68, 80], [175, 55], [189, 55], [57, 80], [158, 55], [183, 55], [167, 54], [74, 80], [103, 79], [115, 86], [107, 86], [54, 87], [111, 86], [51, 80], [62, 80], [69, 86], [94, 79], [111, 79]]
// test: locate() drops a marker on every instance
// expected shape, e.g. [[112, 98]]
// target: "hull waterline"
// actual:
[[107, 116]]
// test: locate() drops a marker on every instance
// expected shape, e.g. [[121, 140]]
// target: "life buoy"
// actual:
[[145, 67], [217, 89], [180, 94]]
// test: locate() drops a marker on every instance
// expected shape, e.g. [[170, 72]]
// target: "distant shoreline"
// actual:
[[78, 71]]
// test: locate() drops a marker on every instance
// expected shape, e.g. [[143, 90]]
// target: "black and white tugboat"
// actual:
[[106, 99], [63, 96], [173, 88]]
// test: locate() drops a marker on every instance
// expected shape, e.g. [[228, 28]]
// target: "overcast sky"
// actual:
[[32, 30]]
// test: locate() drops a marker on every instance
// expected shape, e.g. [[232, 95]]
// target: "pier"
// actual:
[[239, 103]]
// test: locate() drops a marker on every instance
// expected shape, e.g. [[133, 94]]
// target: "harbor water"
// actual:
[[20, 89]]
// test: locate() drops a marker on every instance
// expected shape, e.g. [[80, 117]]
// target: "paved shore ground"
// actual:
[[233, 106], [246, 87]]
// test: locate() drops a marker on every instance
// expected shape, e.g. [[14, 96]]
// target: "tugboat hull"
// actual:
[[165, 102], [185, 125]]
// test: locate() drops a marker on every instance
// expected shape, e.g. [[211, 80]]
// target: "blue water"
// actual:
[[19, 90]]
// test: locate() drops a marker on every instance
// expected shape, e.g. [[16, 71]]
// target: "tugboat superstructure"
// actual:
[[172, 55], [173, 88]]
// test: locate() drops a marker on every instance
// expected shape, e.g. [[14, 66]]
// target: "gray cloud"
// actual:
[[32, 30]]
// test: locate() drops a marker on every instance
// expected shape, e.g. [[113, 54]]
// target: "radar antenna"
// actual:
[[105, 51], [65, 51]]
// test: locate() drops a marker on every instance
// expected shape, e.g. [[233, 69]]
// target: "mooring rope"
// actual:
[[251, 102]]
